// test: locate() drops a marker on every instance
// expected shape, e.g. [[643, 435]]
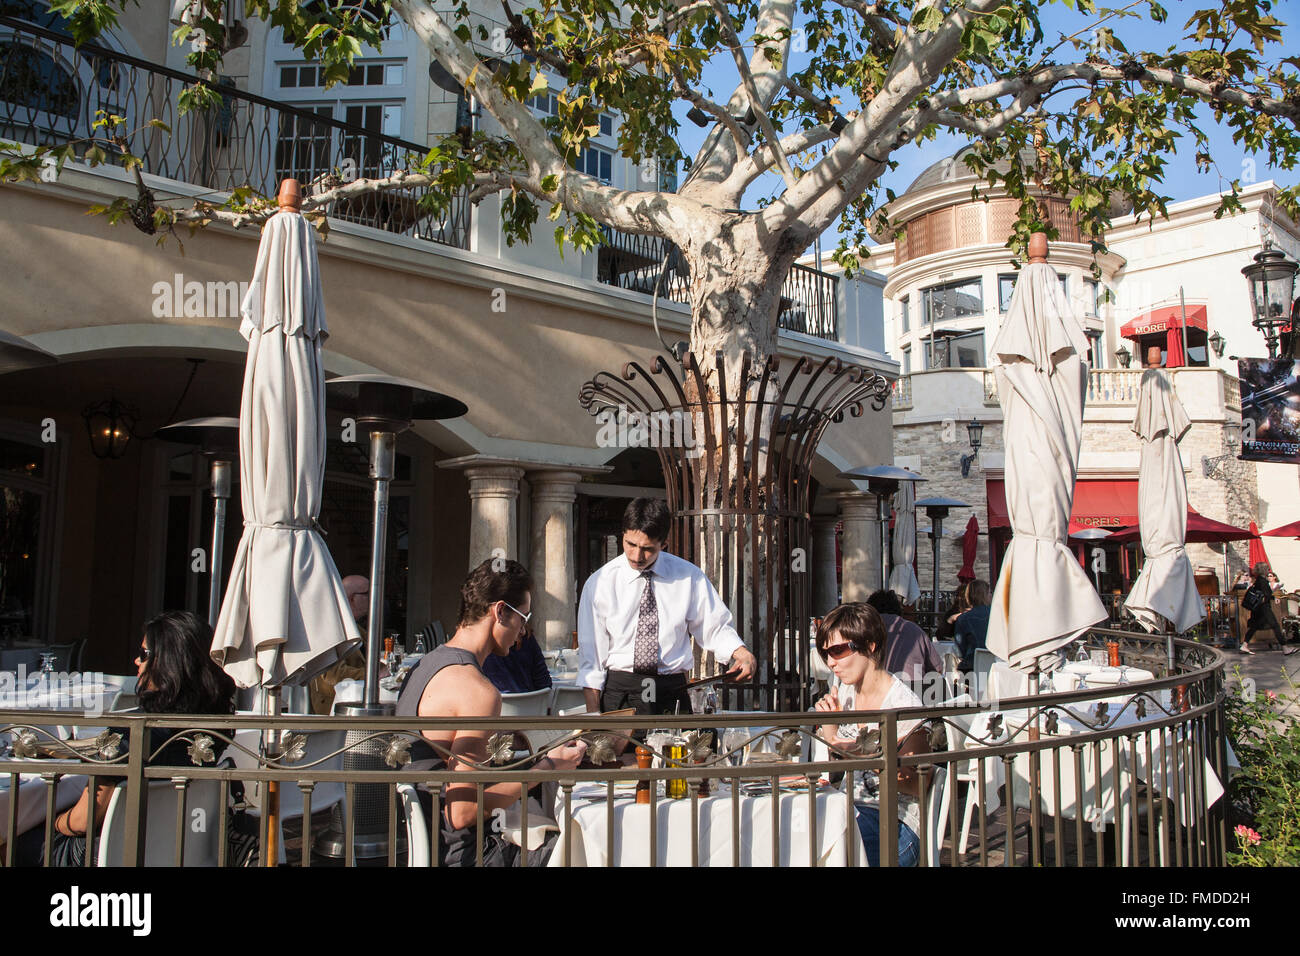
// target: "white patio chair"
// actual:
[[417, 831], [567, 698], [202, 803], [530, 704], [982, 662], [967, 771], [936, 822]]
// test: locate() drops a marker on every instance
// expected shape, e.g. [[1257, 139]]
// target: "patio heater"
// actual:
[[218, 440], [937, 509], [385, 406], [17, 354], [882, 481], [1092, 534]]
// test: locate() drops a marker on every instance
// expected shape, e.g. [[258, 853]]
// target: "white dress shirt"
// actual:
[[688, 606]]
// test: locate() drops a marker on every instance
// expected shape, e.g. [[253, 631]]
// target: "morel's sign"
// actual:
[[1270, 410]]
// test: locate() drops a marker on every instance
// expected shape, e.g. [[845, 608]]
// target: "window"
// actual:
[[34, 81], [1094, 296], [907, 360], [606, 124], [1095, 351], [26, 483], [903, 314], [1007, 286], [952, 300], [956, 351], [597, 163], [544, 103], [312, 76]]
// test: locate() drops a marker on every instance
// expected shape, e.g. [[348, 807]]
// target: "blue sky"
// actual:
[[1182, 181]]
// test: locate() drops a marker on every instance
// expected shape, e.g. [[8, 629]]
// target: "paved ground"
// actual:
[[1270, 670]]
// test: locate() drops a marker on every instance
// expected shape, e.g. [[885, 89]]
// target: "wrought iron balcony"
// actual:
[[629, 261], [51, 92]]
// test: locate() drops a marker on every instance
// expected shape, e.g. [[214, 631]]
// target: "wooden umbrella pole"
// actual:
[[271, 748]]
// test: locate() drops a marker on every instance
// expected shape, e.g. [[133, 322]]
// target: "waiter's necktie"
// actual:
[[645, 651]]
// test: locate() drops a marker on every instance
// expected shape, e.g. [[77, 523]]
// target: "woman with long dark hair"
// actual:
[[1261, 616], [176, 675]]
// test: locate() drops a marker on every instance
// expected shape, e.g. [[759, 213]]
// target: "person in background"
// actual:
[[853, 644], [1261, 618], [948, 626], [522, 670], [320, 689], [1243, 581], [1274, 583], [973, 625], [909, 654], [175, 675]]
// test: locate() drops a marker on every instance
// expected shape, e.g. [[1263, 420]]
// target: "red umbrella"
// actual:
[[1257, 553], [1291, 530], [1200, 530], [970, 543]]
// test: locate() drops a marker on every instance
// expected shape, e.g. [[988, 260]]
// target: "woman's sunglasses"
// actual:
[[142, 654], [837, 652]]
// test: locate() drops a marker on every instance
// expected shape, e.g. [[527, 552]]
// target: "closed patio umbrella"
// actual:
[[285, 616], [1043, 599], [970, 543], [902, 577], [1257, 553], [1165, 590]]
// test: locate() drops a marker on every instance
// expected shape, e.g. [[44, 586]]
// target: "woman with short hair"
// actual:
[[852, 642]]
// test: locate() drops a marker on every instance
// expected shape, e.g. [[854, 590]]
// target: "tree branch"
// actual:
[[751, 88], [719, 113], [644, 212], [760, 161]]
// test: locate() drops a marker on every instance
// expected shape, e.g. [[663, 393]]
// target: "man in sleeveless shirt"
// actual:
[[495, 605], [638, 616]]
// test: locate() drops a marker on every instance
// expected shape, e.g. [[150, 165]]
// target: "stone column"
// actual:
[[826, 589], [493, 522], [552, 559], [859, 546]]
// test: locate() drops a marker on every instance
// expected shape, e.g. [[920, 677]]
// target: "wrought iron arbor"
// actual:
[[737, 465]]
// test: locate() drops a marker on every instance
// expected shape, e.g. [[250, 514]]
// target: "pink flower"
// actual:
[[1247, 835], [1272, 697]]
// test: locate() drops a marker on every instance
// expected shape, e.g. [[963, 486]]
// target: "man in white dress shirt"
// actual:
[[638, 615]]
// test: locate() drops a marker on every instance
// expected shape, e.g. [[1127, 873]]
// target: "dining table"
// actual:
[[31, 796], [730, 830]]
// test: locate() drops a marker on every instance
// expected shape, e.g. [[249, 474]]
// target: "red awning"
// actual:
[[1098, 503], [1163, 319], [1291, 530]]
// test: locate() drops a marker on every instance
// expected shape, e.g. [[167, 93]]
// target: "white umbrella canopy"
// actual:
[[902, 577], [1166, 587], [1043, 599], [285, 616]]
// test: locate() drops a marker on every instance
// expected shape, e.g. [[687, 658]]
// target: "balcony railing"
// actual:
[[51, 92], [1109, 774], [630, 261], [902, 392]]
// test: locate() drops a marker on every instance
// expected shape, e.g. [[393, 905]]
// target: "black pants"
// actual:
[[645, 693]]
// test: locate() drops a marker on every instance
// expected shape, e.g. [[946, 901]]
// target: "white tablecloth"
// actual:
[[93, 696], [673, 830], [31, 799]]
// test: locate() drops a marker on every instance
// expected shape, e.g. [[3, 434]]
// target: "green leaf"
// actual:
[[927, 20]]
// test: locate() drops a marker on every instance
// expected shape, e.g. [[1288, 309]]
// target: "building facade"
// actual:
[[94, 546], [1174, 282]]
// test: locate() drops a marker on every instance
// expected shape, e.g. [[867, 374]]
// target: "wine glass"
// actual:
[[733, 740]]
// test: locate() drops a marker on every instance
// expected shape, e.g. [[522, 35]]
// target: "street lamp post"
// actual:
[[1271, 283]]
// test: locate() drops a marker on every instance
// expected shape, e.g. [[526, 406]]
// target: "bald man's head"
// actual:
[[357, 589]]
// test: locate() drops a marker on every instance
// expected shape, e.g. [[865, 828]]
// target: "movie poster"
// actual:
[[1270, 410]]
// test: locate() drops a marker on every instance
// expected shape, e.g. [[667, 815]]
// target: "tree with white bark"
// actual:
[[1077, 115]]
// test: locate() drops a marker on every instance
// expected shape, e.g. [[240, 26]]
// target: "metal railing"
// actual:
[[631, 261], [902, 392], [51, 93], [1123, 774]]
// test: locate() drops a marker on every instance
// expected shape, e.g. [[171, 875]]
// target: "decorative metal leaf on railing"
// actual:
[[201, 750]]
